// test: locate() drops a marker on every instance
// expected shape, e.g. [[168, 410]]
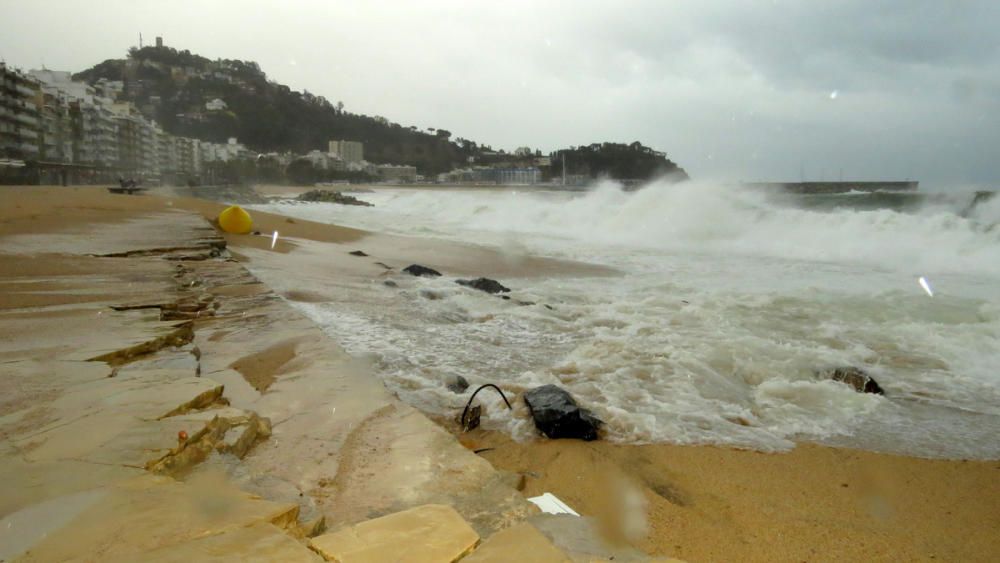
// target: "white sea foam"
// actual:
[[729, 302]]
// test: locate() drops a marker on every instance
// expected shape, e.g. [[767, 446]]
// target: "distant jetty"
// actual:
[[837, 187]]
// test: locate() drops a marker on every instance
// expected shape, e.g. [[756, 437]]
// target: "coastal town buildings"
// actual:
[[54, 129], [396, 173], [216, 105], [325, 160], [19, 115], [229, 151], [348, 151]]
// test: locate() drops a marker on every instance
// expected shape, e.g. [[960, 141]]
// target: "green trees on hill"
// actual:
[[302, 172], [616, 160], [172, 87]]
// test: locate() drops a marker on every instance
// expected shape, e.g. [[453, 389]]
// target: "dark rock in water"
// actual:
[[358, 253], [557, 415], [505, 297], [390, 283], [330, 196], [484, 284], [524, 303], [421, 271], [458, 384], [856, 378], [550, 307], [472, 419]]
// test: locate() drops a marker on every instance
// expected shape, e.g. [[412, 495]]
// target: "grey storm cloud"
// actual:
[[730, 89]]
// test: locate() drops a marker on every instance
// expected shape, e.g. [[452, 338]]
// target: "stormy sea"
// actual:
[[729, 305]]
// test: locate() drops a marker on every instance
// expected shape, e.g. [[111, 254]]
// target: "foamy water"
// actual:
[[729, 302]]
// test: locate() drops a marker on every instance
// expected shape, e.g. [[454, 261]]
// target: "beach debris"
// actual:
[[927, 287], [384, 265], [470, 420], [856, 378], [421, 271], [484, 284], [274, 239], [234, 219], [557, 415], [331, 196], [550, 504], [312, 528], [358, 253], [233, 431], [458, 384], [477, 409], [390, 283], [180, 336]]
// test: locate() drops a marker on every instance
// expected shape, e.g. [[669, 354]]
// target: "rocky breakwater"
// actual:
[[332, 196]]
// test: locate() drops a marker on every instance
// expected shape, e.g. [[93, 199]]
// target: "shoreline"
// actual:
[[702, 503]]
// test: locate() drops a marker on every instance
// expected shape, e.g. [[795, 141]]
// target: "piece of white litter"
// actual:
[[550, 504], [926, 286], [274, 239]]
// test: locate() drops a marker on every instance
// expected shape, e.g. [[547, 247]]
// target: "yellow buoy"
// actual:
[[234, 219]]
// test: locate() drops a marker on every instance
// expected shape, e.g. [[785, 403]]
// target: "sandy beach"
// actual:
[[813, 503]]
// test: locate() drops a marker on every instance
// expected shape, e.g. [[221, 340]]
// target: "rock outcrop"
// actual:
[[557, 415], [856, 378], [484, 284], [421, 271], [457, 384], [331, 196]]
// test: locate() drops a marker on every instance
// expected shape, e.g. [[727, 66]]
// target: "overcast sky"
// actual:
[[731, 90]]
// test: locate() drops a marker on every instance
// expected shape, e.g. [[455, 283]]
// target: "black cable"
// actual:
[[481, 387]]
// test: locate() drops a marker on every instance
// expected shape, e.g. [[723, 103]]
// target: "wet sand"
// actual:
[[813, 503], [47, 209], [696, 503]]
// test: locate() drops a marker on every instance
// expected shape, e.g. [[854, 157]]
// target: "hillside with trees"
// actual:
[[173, 86], [616, 160]]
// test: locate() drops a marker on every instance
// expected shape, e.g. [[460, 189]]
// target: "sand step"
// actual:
[[522, 543], [128, 519], [261, 542], [432, 533]]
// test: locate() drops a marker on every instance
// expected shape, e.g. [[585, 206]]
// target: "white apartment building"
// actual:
[[348, 151]]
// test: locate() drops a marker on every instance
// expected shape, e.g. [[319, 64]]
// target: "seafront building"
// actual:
[[20, 128], [396, 173], [494, 175], [54, 129], [348, 151]]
